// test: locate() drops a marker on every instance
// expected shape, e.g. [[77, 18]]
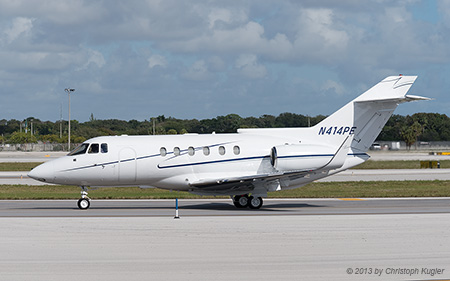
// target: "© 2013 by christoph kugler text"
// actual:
[[395, 271]]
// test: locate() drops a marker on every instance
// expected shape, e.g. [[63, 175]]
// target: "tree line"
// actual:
[[419, 126]]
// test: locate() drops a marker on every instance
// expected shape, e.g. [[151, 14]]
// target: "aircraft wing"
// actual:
[[248, 184], [242, 184]]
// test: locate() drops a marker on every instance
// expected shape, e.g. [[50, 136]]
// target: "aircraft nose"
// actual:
[[44, 172]]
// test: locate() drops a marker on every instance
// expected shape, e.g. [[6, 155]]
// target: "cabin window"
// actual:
[[81, 149], [104, 148], [221, 150], [93, 148], [191, 151], [236, 150], [176, 151], [163, 151], [206, 150]]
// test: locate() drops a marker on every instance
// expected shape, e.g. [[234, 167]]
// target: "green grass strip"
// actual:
[[17, 166], [398, 164], [313, 190], [373, 189]]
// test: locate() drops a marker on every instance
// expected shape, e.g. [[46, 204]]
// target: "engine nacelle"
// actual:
[[294, 157]]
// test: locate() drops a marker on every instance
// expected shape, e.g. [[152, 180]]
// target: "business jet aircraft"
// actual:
[[244, 165]]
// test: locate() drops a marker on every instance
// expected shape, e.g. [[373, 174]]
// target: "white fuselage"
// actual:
[[151, 161]]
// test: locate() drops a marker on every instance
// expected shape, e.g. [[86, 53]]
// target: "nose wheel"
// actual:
[[84, 202]]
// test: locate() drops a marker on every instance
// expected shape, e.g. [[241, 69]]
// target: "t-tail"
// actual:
[[349, 132], [364, 117]]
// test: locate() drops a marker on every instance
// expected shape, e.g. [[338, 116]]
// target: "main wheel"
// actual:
[[240, 201], [83, 204], [255, 202]]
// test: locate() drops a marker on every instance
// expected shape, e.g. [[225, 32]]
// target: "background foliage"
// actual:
[[419, 126]]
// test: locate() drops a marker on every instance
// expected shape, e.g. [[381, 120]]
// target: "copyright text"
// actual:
[[395, 271]]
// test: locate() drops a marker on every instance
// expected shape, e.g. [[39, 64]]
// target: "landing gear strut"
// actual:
[[84, 201], [243, 201]]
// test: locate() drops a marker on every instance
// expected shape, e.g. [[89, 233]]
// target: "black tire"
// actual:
[[255, 202], [240, 201], [83, 204]]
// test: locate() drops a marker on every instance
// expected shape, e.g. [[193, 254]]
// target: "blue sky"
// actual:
[[200, 59]]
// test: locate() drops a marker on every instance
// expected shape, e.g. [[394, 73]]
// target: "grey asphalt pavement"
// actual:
[[223, 207], [268, 246]]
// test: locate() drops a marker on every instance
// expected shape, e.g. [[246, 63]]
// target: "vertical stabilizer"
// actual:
[[364, 117]]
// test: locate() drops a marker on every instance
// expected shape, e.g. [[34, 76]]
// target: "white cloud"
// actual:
[[333, 86], [280, 48], [444, 11], [198, 71], [318, 36], [216, 63], [157, 60], [58, 12], [96, 57], [89, 57], [245, 37], [221, 15], [249, 67], [20, 27]]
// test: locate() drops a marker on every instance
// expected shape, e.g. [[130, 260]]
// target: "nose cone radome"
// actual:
[[44, 172]]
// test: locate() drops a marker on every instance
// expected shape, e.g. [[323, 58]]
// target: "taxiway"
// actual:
[[224, 207], [297, 239]]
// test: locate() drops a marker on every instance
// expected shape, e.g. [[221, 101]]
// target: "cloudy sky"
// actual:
[[200, 59]]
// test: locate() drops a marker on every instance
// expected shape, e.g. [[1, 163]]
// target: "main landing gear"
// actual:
[[84, 201], [243, 201]]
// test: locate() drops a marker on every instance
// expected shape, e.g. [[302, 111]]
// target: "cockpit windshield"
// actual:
[[81, 149]]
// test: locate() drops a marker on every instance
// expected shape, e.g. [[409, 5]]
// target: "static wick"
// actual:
[[176, 209]]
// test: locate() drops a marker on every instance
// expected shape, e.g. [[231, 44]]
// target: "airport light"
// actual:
[[60, 121], [68, 90]]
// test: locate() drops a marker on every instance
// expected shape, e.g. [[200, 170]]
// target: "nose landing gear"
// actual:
[[84, 202]]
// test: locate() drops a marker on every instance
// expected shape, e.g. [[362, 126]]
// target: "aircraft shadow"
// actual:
[[279, 207], [231, 207], [214, 206]]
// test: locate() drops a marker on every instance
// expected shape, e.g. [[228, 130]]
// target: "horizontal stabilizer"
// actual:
[[390, 88], [414, 98]]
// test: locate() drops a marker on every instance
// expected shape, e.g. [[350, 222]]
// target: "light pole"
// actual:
[[68, 90], [60, 121]]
